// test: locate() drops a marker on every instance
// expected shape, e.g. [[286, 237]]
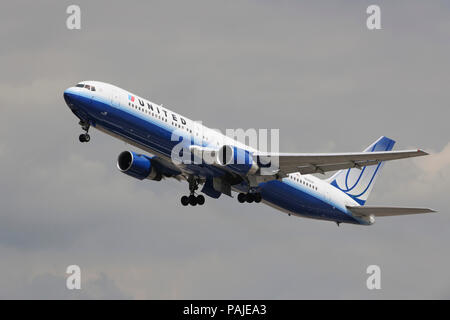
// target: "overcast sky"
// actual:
[[310, 68]]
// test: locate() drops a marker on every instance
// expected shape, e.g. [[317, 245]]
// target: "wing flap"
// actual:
[[386, 211]]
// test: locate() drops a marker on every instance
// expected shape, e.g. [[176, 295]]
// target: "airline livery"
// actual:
[[222, 165]]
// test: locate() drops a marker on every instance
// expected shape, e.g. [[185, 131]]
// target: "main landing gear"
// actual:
[[84, 137], [249, 197], [193, 199]]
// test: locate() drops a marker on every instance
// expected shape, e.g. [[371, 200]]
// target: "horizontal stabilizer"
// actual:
[[385, 211]]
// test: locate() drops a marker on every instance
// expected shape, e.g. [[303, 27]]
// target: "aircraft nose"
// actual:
[[69, 97], [76, 99]]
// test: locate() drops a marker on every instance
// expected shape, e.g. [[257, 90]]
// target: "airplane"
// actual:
[[290, 186]]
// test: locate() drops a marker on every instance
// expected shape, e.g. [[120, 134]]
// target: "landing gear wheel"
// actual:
[[249, 197], [184, 200], [200, 199], [192, 200], [84, 137]]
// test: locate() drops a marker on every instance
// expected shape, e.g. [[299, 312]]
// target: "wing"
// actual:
[[307, 163], [167, 168], [386, 211]]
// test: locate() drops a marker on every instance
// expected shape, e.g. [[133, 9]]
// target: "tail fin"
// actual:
[[358, 182]]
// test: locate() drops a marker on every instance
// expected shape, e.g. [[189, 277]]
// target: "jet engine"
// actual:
[[137, 166]]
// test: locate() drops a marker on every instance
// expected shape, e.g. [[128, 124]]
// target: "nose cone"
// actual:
[[77, 98], [70, 96]]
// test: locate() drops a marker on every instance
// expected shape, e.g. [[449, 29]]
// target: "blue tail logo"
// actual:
[[358, 183]]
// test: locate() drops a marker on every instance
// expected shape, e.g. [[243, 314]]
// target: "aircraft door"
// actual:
[[115, 98]]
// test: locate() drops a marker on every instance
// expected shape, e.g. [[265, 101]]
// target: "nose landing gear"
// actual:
[[84, 137]]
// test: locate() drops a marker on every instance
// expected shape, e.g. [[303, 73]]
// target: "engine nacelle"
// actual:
[[137, 166], [237, 160]]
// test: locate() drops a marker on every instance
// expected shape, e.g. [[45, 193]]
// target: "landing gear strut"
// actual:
[[192, 199], [84, 137], [249, 197]]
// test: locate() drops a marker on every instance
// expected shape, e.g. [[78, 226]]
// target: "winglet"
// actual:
[[420, 152]]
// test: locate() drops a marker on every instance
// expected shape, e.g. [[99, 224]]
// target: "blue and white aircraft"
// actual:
[[290, 187]]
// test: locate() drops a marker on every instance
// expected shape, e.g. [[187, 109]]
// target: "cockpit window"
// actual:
[[87, 86]]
